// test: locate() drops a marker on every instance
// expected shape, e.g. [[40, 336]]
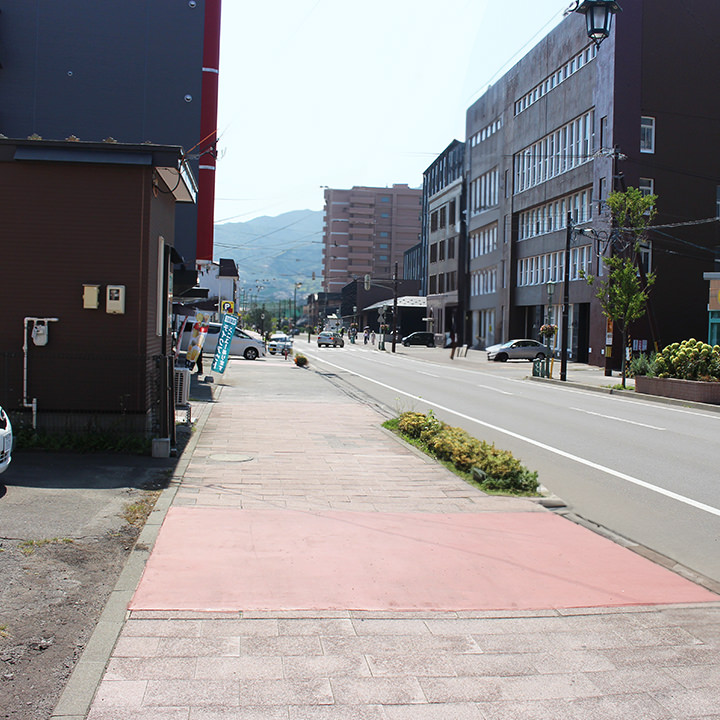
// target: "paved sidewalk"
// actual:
[[310, 566]]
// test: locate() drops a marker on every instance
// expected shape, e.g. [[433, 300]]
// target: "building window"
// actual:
[[604, 131], [647, 134], [434, 221], [646, 186], [383, 234], [443, 216], [451, 213], [441, 251], [564, 149], [385, 198], [484, 192], [451, 248], [432, 287], [433, 253]]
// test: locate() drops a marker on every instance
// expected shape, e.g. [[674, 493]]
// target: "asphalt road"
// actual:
[[644, 470]]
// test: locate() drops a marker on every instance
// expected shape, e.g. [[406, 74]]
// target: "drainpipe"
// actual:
[[26, 347]]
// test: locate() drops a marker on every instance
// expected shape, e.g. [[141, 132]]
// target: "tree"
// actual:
[[624, 293]]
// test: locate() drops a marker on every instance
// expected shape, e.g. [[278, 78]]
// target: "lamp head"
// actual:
[[598, 17]]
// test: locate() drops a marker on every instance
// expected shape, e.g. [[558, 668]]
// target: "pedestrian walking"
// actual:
[[372, 337]]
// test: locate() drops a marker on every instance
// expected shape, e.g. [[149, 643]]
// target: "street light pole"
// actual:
[[395, 299], [566, 299]]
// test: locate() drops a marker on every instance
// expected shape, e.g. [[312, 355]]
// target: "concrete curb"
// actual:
[[629, 394], [79, 692]]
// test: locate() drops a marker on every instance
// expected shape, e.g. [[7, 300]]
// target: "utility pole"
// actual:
[[394, 323], [566, 299]]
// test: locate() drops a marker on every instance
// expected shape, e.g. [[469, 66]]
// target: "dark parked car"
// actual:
[[518, 350], [419, 338]]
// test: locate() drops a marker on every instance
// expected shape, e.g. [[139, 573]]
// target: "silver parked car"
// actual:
[[524, 349], [6, 441]]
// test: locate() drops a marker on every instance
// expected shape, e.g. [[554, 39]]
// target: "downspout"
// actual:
[[33, 404]]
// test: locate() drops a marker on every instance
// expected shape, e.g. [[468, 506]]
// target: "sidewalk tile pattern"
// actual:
[[648, 662]]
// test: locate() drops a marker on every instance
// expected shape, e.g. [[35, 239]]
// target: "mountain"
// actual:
[[275, 252]]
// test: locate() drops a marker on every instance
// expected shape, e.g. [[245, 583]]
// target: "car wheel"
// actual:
[[539, 356], [501, 357], [342, 343], [251, 353], [406, 344], [431, 344]]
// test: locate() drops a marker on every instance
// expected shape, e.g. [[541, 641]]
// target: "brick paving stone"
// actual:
[[383, 691], [649, 663], [239, 668]]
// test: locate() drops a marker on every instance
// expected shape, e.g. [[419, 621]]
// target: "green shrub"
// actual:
[[642, 365], [689, 360], [500, 469], [457, 446]]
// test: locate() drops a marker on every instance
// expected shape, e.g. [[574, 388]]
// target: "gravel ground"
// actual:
[[51, 598]]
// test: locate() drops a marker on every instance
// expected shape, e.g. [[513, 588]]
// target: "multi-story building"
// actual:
[[443, 241], [565, 126], [134, 72], [366, 231]]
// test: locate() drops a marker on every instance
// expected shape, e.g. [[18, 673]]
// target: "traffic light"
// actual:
[[367, 282]]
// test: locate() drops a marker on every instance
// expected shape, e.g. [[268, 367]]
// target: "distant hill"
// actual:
[[275, 252]]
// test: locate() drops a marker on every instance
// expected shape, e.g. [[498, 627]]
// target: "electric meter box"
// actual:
[[115, 299], [91, 297]]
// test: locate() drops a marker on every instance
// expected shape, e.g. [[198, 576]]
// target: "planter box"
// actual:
[[692, 390]]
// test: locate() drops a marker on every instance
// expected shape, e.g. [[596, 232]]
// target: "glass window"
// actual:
[[646, 186], [647, 134]]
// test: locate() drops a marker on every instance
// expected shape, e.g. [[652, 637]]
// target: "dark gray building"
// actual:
[[133, 71], [565, 126], [443, 241]]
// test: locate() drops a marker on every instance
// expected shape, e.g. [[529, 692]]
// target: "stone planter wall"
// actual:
[[692, 390]]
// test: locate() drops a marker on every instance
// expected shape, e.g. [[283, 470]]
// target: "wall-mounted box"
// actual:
[[115, 299], [91, 297]]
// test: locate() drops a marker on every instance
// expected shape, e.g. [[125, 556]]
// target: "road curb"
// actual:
[[80, 689], [629, 394]]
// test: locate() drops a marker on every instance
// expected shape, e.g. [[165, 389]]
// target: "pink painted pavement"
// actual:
[[216, 559]]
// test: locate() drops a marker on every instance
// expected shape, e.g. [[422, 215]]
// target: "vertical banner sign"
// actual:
[[199, 333], [222, 352]]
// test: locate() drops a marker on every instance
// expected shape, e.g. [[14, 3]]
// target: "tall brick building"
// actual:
[[366, 231]]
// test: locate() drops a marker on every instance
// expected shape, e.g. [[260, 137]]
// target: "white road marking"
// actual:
[[618, 419], [543, 446]]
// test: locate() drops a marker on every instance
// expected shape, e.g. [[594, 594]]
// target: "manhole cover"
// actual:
[[230, 457]]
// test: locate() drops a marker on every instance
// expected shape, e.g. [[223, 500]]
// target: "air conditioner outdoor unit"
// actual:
[[182, 386]]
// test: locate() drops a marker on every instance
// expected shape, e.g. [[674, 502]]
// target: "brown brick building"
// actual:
[[366, 231]]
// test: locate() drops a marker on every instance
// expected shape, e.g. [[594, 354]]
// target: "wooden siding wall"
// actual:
[[69, 225]]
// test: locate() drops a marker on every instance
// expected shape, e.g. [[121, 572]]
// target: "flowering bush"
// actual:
[[689, 360], [300, 360]]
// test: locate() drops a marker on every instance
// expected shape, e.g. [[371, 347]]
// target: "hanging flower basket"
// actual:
[[548, 331]]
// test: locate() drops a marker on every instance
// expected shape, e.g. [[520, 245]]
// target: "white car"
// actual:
[[243, 344], [279, 342], [6, 441]]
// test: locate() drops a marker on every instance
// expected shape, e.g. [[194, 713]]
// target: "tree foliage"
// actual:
[[622, 294]]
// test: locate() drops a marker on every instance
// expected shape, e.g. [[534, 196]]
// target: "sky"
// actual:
[[335, 93]]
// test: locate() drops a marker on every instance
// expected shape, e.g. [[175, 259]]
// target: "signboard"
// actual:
[[222, 352], [227, 306], [197, 339]]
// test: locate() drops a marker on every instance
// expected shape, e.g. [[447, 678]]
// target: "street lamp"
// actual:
[[598, 17], [550, 292]]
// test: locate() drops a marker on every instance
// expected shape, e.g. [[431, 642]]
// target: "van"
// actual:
[[243, 343]]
